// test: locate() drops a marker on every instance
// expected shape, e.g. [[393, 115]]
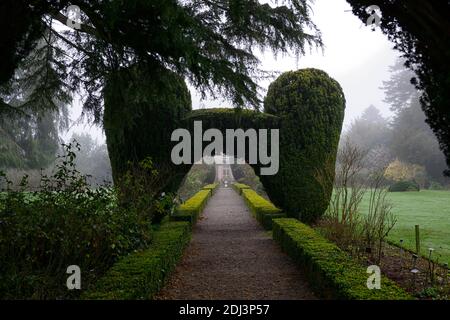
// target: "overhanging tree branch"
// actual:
[[83, 27]]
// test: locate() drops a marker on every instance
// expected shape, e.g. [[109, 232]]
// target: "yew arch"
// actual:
[[307, 106]]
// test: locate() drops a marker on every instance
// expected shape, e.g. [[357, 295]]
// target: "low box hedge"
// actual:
[[403, 186], [331, 271], [212, 187], [141, 275], [239, 187], [263, 210], [191, 209]]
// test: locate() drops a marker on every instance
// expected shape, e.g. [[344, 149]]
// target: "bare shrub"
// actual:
[[344, 222], [342, 218], [379, 220]]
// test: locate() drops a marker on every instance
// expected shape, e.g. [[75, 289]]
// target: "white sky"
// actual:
[[357, 57]]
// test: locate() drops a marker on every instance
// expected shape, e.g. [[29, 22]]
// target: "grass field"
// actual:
[[431, 211]]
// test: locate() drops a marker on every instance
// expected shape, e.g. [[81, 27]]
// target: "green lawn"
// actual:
[[430, 210]]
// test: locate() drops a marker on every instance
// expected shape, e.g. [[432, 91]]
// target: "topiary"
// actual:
[[311, 107], [403, 186], [307, 106], [143, 106]]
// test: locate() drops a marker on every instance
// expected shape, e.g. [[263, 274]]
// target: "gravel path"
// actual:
[[232, 257]]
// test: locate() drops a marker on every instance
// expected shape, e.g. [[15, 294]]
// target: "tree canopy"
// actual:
[[212, 43], [36, 99]]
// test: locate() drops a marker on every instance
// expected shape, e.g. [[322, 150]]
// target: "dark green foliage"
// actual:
[[309, 131], [403, 186], [331, 271], [227, 118], [419, 30], [311, 107], [142, 109], [211, 42], [21, 27], [65, 223], [141, 275], [138, 191]]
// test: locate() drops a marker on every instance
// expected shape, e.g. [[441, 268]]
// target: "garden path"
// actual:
[[232, 257]]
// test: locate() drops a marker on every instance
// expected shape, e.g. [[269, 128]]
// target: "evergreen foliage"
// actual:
[[141, 111], [311, 107], [37, 98], [210, 42], [332, 272]]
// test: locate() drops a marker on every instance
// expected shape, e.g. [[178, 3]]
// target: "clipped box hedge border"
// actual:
[[212, 187], [332, 273], [190, 210], [239, 187], [263, 210], [139, 276]]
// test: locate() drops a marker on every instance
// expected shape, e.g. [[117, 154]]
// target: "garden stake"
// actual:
[[445, 274], [401, 254], [417, 239], [430, 266]]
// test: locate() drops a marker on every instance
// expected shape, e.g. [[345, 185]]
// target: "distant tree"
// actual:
[[412, 139], [29, 142], [399, 92], [421, 31], [93, 159], [37, 99], [370, 130], [377, 158]]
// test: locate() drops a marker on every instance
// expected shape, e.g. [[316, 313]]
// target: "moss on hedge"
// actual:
[[263, 210], [141, 275], [331, 272]]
